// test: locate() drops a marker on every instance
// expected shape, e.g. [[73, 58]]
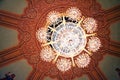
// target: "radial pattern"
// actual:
[[69, 39]]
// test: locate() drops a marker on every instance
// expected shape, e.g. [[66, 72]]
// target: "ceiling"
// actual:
[[21, 68]]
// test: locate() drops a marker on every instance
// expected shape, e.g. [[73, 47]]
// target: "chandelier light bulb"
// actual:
[[94, 44], [47, 54], [83, 60], [41, 35], [53, 16], [74, 13], [90, 25], [63, 64]]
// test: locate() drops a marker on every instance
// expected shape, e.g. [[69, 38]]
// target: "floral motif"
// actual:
[[53, 16], [41, 35], [74, 13], [94, 44], [82, 60], [90, 25], [63, 64], [46, 54]]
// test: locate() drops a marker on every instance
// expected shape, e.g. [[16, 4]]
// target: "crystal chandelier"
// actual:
[[68, 39]]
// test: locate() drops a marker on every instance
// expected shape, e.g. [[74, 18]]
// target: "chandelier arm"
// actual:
[[73, 62], [93, 34], [64, 22], [46, 44], [89, 53], [80, 21], [56, 57], [52, 29]]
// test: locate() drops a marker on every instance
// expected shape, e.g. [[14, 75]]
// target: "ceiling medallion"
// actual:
[[68, 39], [63, 41]]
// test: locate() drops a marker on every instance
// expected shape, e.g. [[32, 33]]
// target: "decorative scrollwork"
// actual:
[[34, 18], [49, 1]]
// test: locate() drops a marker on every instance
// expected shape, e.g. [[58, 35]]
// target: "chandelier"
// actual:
[[68, 39]]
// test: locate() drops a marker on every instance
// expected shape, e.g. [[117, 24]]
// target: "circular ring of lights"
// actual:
[[69, 37]]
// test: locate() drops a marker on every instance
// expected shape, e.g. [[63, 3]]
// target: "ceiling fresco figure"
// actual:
[[62, 39]]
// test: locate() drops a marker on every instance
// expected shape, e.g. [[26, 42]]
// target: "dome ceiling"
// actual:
[[63, 39]]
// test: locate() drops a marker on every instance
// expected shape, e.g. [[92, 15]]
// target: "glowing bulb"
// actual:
[[46, 54], [53, 16], [74, 13], [90, 25], [41, 35], [94, 44], [82, 60], [63, 64]]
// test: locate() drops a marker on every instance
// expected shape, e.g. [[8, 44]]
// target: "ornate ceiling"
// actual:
[[35, 18]]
